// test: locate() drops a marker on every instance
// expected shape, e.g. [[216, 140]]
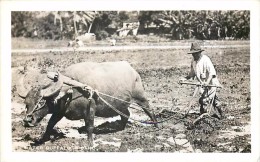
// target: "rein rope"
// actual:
[[36, 106], [124, 115]]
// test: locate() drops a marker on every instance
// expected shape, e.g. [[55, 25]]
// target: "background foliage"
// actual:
[[178, 25]]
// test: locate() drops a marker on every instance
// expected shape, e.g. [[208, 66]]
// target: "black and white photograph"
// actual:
[[132, 81]]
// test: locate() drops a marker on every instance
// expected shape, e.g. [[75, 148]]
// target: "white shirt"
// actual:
[[202, 69]]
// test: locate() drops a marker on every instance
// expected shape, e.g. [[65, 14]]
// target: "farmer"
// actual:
[[203, 70]]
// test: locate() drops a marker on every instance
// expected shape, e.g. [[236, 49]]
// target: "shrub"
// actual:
[[101, 35], [46, 62]]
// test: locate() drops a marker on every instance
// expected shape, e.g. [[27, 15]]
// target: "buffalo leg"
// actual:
[[89, 120], [55, 118], [124, 120]]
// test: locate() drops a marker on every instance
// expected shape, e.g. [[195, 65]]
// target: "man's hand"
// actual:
[[205, 84]]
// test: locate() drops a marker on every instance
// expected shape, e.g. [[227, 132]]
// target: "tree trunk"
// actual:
[[61, 25], [90, 27], [75, 24], [58, 16], [75, 28]]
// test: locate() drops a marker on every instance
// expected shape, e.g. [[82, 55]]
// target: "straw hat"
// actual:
[[195, 47]]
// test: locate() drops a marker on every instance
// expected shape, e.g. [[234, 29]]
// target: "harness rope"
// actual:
[[119, 112], [36, 108], [91, 91], [144, 122]]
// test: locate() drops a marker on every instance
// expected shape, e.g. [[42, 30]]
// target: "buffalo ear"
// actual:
[[95, 97]]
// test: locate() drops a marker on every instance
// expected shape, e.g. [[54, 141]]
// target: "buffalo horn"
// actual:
[[22, 91]]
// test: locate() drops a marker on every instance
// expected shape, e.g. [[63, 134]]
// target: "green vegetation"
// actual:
[[203, 25]]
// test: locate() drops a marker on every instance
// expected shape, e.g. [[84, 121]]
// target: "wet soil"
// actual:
[[160, 70]]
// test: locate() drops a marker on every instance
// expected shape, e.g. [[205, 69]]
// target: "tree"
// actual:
[[200, 24], [78, 17], [147, 17], [58, 16], [21, 23], [85, 17], [102, 21], [178, 20]]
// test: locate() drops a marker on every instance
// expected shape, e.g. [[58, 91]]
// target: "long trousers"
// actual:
[[210, 103]]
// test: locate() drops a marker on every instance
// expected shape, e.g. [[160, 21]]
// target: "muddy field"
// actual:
[[160, 69]]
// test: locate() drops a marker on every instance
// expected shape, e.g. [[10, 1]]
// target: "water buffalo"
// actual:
[[117, 79]]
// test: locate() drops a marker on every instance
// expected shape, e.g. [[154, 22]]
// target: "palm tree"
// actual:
[[178, 20], [58, 16], [85, 17]]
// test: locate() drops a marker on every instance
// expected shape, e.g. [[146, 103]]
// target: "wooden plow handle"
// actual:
[[197, 84]]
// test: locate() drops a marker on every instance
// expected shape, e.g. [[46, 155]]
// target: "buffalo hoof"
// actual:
[[104, 128], [82, 130], [109, 127], [42, 140], [38, 142]]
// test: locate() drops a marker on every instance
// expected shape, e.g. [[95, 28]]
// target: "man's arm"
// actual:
[[189, 76], [208, 80], [211, 70]]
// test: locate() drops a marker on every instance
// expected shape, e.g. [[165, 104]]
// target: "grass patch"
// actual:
[[140, 40]]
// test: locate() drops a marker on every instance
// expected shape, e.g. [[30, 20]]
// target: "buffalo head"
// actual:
[[37, 98], [36, 107]]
